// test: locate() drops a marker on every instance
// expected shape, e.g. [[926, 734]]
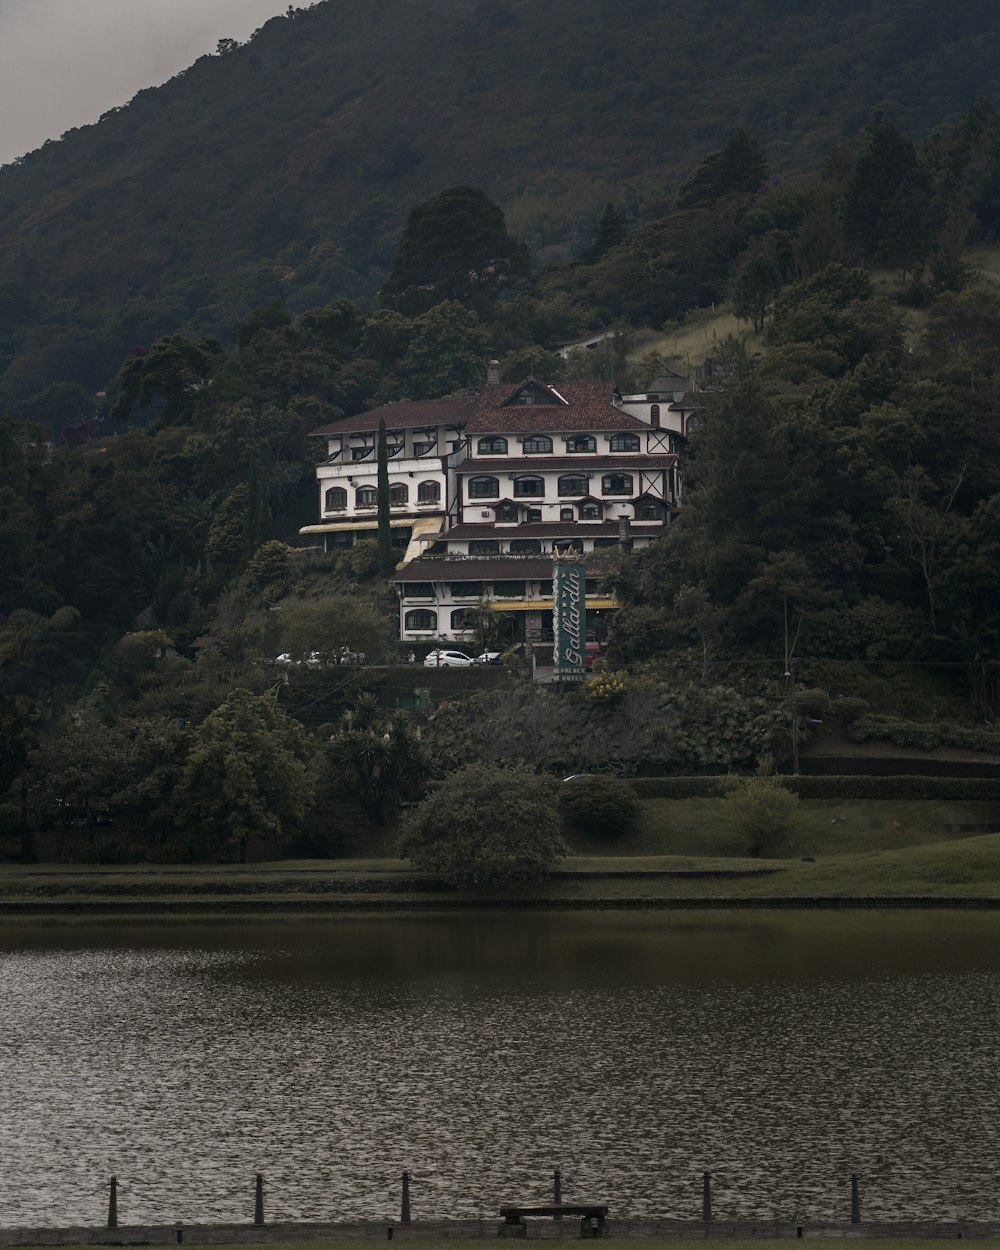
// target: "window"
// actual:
[[398, 494], [525, 546], [581, 442], [467, 590], [492, 447], [545, 588], [396, 448], [366, 497], [399, 537], [339, 542], [573, 484], [605, 542], [654, 416], [531, 487], [508, 590], [566, 514], [483, 488], [429, 492], [360, 453], [538, 445], [591, 510], [460, 619], [592, 586], [418, 590], [616, 484], [507, 514], [648, 511], [568, 544], [624, 442], [421, 619], [534, 514], [421, 449], [484, 547], [336, 499]]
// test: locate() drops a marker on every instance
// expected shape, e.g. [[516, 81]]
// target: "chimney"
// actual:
[[624, 537], [493, 373]]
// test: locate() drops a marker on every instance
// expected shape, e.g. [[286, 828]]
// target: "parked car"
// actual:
[[489, 657], [439, 658]]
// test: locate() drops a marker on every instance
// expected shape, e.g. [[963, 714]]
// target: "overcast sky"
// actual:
[[65, 62]]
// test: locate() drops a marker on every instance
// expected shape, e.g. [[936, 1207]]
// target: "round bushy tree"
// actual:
[[605, 807], [485, 825]]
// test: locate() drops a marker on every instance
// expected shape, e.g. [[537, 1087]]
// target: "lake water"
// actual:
[[781, 1052]]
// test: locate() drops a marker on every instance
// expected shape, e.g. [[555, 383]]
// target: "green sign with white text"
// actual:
[[569, 616]]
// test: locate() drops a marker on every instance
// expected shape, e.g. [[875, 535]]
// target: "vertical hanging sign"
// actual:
[[569, 615]]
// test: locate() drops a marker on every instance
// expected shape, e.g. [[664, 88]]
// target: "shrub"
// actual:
[[485, 825], [764, 810], [606, 807]]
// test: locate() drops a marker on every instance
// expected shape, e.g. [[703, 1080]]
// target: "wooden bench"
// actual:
[[593, 1217]]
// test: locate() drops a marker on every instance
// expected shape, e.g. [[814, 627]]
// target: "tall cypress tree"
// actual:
[[385, 556]]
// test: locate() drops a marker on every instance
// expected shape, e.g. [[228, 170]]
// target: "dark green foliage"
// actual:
[[927, 737], [378, 758], [454, 247], [738, 168], [605, 807], [830, 788], [248, 775], [485, 826]]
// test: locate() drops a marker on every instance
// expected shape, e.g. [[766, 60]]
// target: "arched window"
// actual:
[[336, 499], [429, 492], [529, 488], [571, 484], [590, 510], [507, 514], [566, 514], [421, 619], [654, 416], [484, 547], [537, 445], [366, 497], [624, 442], [483, 488], [525, 546], [581, 442], [460, 619], [616, 484], [647, 510], [492, 447], [398, 494]]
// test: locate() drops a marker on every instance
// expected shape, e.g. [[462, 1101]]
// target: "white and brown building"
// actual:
[[483, 490]]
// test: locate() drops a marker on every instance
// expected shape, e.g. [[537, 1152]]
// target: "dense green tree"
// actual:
[[737, 168], [455, 247], [764, 811], [887, 199], [331, 623], [165, 380], [485, 826], [604, 807], [249, 774]]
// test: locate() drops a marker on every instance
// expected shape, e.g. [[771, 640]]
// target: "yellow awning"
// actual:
[[419, 525], [543, 605]]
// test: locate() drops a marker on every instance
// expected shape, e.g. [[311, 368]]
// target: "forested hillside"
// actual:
[[285, 167]]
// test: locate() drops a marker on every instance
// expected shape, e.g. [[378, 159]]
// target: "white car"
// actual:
[[447, 659], [314, 660]]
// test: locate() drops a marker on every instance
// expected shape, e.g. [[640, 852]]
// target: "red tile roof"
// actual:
[[407, 415], [587, 406]]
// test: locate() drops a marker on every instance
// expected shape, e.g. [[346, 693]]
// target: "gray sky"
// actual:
[[65, 62]]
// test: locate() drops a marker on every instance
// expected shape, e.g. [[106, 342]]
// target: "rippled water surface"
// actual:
[[780, 1052]]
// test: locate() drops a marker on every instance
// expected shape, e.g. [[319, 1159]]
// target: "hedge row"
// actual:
[[832, 788], [927, 737]]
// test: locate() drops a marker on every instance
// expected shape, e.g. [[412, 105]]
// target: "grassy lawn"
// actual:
[[850, 849]]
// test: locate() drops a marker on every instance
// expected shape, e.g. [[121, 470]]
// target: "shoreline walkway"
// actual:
[[486, 1229]]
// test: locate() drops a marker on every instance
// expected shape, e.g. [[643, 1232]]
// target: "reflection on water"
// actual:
[[781, 1052]]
